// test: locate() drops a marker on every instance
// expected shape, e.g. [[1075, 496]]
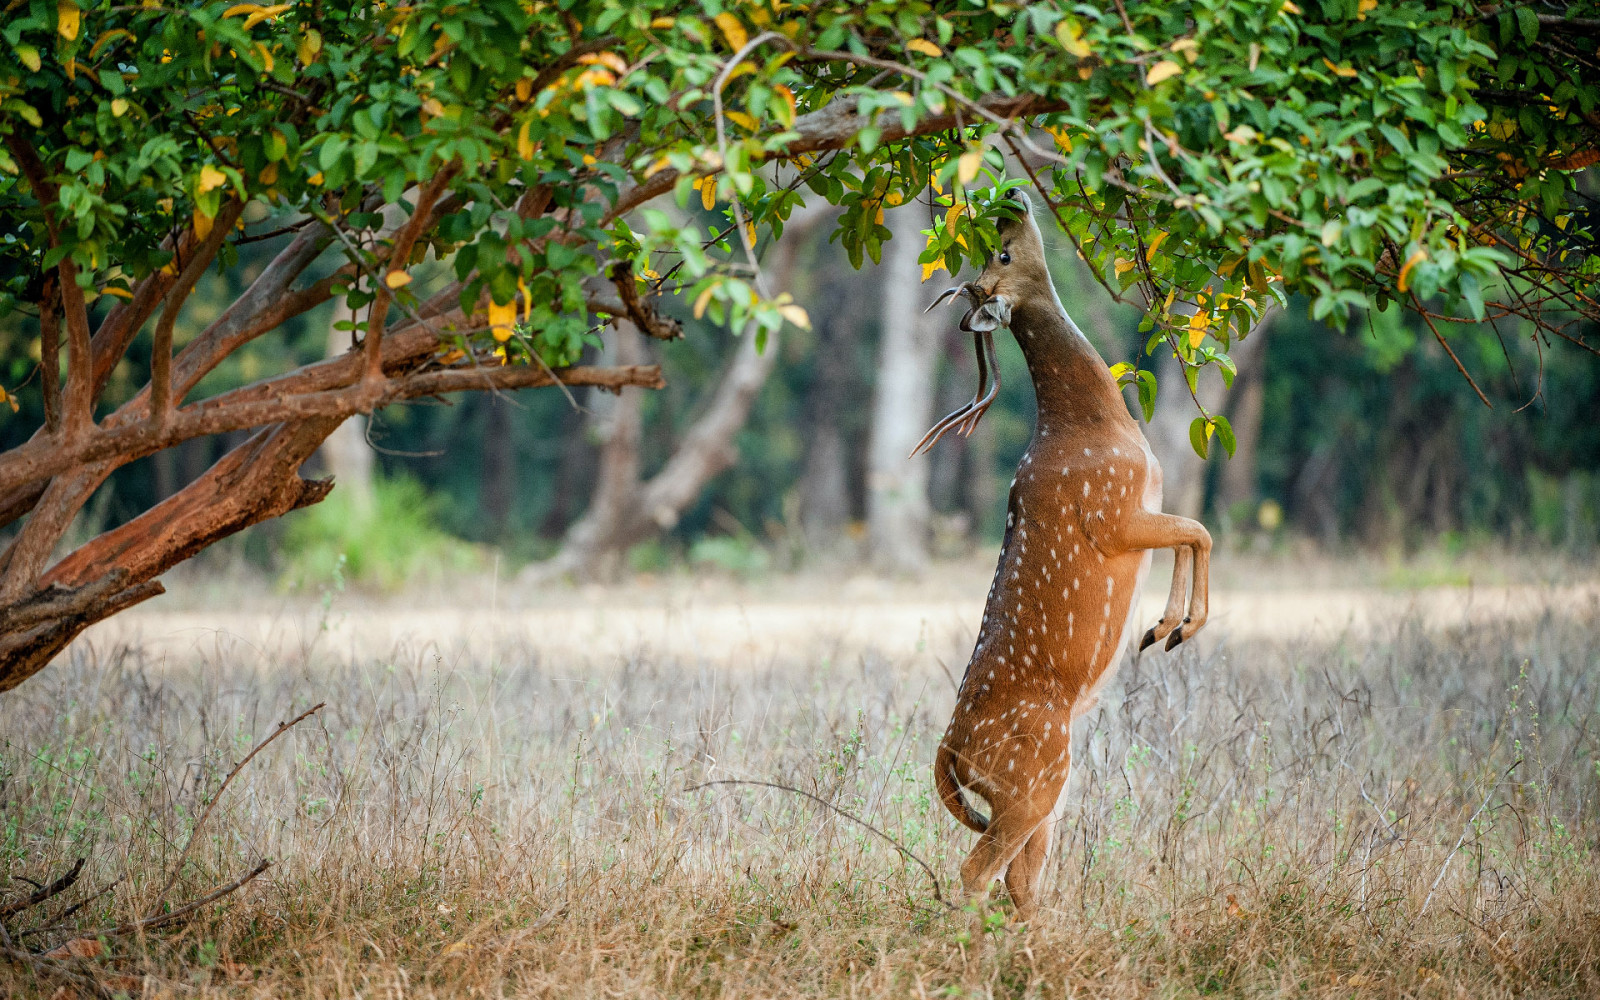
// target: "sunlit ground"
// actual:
[[1372, 778]]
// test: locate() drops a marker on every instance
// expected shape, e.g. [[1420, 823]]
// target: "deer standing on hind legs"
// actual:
[[1083, 516]]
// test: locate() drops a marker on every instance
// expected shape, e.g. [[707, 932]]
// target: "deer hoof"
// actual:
[[1149, 639], [1173, 639]]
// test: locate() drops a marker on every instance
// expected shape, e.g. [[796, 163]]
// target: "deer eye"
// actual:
[[1005, 258]]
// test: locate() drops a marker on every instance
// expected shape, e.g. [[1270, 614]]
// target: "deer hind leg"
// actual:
[[1145, 529], [1011, 826], [1025, 874], [1177, 598]]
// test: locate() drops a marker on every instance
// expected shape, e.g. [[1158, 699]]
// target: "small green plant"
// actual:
[[739, 555], [392, 543]]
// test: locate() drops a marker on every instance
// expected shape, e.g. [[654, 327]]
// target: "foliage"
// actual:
[[1217, 153], [394, 543]]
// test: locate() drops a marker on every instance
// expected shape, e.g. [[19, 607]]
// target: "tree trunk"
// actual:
[[497, 481], [825, 498], [346, 454], [623, 511], [1240, 474], [902, 405]]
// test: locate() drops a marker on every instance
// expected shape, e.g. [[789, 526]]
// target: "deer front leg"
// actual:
[[1144, 529], [1177, 598]]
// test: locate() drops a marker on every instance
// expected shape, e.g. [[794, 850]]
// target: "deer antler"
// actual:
[[986, 315]]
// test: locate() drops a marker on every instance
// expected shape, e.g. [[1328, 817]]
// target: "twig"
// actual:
[[852, 817], [1460, 840], [194, 834], [1440, 338], [43, 893], [184, 910]]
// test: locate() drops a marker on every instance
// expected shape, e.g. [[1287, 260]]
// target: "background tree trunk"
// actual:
[[1183, 471], [902, 405], [623, 511], [826, 505], [345, 454], [497, 481]]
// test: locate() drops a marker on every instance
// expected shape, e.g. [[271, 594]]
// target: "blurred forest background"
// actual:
[[1362, 438]]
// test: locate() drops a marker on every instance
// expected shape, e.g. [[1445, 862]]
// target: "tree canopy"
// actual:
[[483, 179]]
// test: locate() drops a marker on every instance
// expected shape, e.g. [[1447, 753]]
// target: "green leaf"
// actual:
[[1528, 22], [1197, 437], [1224, 434]]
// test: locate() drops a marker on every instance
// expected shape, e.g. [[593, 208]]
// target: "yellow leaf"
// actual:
[[967, 168], [1163, 70], [1070, 34], [608, 59], [397, 279], [1242, 133], [432, 106], [707, 186], [788, 99], [703, 301], [266, 58], [502, 320], [268, 174], [742, 119], [211, 178], [264, 13], [1189, 47], [308, 46], [202, 225], [1123, 265], [950, 222], [796, 315], [29, 56], [1417, 256], [929, 269], [1363, 7], [116, 292], [1290, 8], [525, 146], [1198, 324], [662, 23], [524, 89], [1063, 141], [659, 165], [68, 17], [119, 107], [732, 30], [750, 232], [241, 8], [527, 300], [924, 46], [1155, 242], [315, 180], [1343, 71]]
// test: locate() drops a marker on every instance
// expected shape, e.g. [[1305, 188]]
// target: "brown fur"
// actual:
[[1083, 515]]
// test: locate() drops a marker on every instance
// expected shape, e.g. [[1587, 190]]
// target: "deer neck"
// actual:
[[1070, 379]]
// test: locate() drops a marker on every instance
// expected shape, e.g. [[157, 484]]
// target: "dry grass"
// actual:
[[1413, 813]]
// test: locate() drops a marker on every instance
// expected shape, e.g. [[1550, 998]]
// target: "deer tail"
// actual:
[[944, 776]]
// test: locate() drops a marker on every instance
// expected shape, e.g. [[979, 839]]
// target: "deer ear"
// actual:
[[991, 315]]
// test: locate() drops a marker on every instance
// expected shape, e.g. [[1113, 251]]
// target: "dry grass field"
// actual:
[[1397, 796]]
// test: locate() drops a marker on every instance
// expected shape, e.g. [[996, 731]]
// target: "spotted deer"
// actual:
[[1083, 516]]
